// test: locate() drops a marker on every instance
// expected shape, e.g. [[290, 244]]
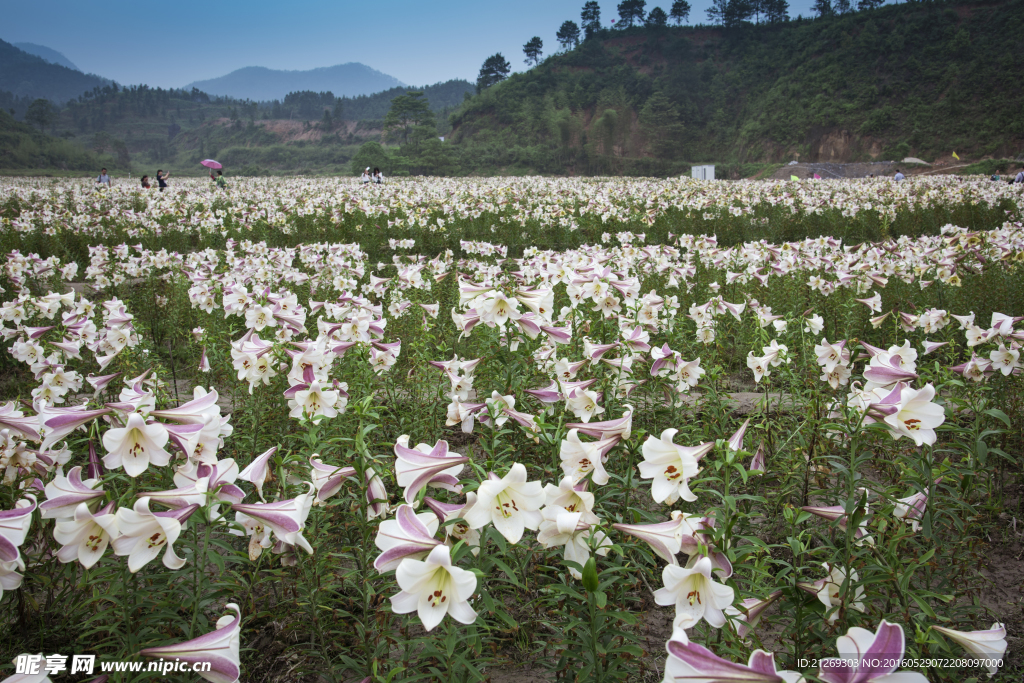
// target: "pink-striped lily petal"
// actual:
[[693, 662], [405, 536], [735, 442], [621, 427], [529, 325], [328, 478], [176, 499], [14, 526], [886, 374], [749, 612], [59, 426], [757, 464], [185, 436], [340, 349], [932, 347], [191, 412], [525, 420], [279, 516], [64, 494], [22, 427], [257, 471], [858, 663], [559, 335], [549, 394], [219, 648], [416, 469], [664, 538]]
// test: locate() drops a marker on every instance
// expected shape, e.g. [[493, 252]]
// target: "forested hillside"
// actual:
[[24, 149], [443, 98], [920, 79], [307, 132]]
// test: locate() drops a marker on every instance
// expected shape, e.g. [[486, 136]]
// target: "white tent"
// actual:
[[703, 172]]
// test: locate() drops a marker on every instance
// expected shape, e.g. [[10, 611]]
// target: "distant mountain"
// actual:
[[261, 84], [47, 53], [30, 76]]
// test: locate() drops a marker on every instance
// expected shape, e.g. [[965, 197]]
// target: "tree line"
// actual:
[[634, 13]]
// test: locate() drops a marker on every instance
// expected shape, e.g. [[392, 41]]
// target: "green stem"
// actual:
[[598, 668], [200, 569]]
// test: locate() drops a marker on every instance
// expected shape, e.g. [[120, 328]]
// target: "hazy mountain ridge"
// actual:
[[27, 75], [260, 84], [47, 53]]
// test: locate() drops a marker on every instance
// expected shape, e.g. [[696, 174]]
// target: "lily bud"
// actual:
[[590, 581]]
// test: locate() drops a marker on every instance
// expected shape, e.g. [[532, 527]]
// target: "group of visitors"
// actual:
[[375, 177], [161, 179], [1018, 179]]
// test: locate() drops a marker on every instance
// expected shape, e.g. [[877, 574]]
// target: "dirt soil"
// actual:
[[833, 171]]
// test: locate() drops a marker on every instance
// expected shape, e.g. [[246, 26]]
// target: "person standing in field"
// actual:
[[219, 180], [104, 179], [378, 177], [365, 178], [145, 182], [161, 179], [899, 175], [1019, 180]]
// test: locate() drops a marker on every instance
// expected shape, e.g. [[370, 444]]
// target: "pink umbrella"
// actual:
[[210, 163], [817, 177]]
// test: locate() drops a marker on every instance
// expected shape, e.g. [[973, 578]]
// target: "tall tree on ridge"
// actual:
[[657, 18], [494, 70], [408, 111], [718, 11], [532, 50], [823, 8], [568, 35], [590, 18], [631, 12], [776, 11], [680, 11]]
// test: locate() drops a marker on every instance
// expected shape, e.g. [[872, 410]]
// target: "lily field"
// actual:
[[517, 429]]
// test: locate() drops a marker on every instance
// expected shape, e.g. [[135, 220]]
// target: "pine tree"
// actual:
[[494, 70], [568, 35], [680, 11], [532, 50], [591, 18]]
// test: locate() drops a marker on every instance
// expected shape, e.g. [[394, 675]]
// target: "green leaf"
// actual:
[[999, 415]]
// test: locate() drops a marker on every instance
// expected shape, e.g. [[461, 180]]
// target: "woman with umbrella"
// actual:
[[219, 178]]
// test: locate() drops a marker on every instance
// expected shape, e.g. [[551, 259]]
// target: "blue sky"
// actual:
[[172, 43]]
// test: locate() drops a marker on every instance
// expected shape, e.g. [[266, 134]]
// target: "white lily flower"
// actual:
[[989, 645], [511, 503], [136, 446], [144, 533], [916, 417], [563, 528], [433, 588], [671, 466], [695, 594], [583, 404], [86, 536]]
